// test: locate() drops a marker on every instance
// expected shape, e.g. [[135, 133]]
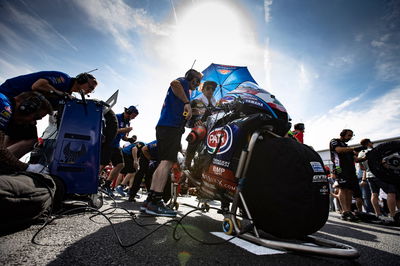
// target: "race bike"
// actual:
[[274, 185]]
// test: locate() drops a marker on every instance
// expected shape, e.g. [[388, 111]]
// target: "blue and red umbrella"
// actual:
[[226, 77]]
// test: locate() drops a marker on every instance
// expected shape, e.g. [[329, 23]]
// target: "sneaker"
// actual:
[[159, 209], [108, 192], [132, 198], [120, 190], [380, 217], [349, 216], [143, 208]]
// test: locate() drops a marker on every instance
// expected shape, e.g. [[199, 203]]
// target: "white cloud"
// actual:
[[304, 78], [11, 38], [12, 70], [376, 43], [292, 81], [388, 70], [121, 21], [341, 61], [359, 37], [380, 119], [165, 57], [343, 105], [267, 10], [40, 27]]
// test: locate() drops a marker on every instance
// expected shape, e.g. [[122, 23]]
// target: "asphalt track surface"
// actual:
[[79, 239]]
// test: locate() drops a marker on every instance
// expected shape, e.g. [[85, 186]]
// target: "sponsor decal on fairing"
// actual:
[[221, 137], [219, 182], [218, 170], [220, 162], [320, 178], [317, 167], [324, 190]]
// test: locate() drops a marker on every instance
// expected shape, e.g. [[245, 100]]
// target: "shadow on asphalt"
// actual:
[[362, 226], [160, 248], [101, 246]]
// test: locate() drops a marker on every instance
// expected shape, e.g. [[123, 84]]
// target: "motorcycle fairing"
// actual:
[[256, 97]]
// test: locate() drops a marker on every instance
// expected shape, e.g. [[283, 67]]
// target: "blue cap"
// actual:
[[131, 109]]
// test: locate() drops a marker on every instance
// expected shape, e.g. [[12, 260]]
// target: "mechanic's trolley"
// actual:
[[76, 156]]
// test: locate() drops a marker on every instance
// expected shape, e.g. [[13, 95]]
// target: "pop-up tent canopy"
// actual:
[[226, 77]]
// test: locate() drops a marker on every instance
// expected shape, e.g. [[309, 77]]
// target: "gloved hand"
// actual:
[[37, 168], [360, 148]]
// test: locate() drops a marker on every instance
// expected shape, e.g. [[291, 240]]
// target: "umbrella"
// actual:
[[226, 77]]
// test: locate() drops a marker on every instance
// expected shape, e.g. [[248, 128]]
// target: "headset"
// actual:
[[344, 132], [84, 78], [31, 104], [191, 74]]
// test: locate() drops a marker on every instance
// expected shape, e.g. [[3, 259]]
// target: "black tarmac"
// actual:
[[81, 239]]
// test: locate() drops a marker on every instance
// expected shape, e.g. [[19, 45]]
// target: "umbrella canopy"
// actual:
[[226, 77]]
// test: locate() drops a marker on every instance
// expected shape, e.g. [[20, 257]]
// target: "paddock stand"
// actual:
[[310, 244], [173, 202]]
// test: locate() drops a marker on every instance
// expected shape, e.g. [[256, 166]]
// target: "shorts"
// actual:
[[168, 142], [21, 132], [112, 154], [375, 184], [128, 161], [350, 182]]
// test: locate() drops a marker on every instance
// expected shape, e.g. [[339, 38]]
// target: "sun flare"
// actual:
[[213, 32]]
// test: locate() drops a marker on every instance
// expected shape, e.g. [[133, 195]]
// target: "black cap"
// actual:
[[131, 109], [299, 126]]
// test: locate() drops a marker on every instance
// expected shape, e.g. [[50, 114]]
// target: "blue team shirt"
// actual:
[[153, 150], [15, 86], [6, 109], [128, 149], [172, 110], [121, 124]]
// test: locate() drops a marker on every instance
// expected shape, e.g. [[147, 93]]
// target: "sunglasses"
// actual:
[[196, 80]]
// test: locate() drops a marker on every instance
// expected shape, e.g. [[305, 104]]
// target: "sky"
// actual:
[[332, 64]]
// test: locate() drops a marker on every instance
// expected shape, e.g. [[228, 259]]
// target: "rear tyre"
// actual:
[[390, 152], [286, 189]]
